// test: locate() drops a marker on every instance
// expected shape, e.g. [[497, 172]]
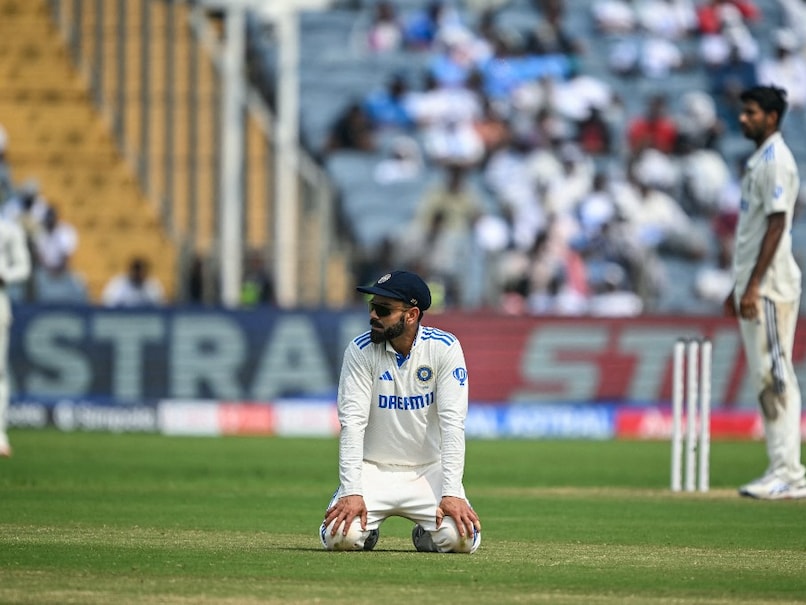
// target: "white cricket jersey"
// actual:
[[15, 263], [403, 411], [770, 184]]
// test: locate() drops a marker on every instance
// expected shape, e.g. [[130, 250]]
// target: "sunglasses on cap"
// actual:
[[385, 310]]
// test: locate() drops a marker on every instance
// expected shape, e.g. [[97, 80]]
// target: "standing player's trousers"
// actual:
[[768, 344], [5, 326]]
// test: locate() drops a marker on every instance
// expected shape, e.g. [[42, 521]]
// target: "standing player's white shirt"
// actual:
[[15, 264], [403, 411], [770, 185]]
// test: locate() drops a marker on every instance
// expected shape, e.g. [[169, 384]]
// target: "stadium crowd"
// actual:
[[575, 199], [51, 241], [566, 170]]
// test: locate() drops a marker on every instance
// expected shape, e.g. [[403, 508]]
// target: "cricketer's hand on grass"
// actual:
[[459, 510], [344, 511]]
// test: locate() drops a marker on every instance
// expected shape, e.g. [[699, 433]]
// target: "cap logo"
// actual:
[[385, 278]]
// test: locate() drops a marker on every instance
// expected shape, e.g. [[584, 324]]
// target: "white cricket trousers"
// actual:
[[410, 492], [5, 325], [768, 343]]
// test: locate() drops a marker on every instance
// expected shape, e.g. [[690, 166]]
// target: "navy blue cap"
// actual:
[[401, 285]]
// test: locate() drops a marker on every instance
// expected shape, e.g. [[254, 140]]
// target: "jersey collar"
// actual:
[[400, 358]]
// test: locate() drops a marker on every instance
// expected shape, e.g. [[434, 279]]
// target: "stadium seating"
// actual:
[[59, 140], [334, 73]]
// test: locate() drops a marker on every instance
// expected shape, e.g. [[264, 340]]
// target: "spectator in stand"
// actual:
[[571, 184], [199, 286], [437, 106], [439, 239], [388, 107], [648, 56], [510, 68], [135, 288], [714, 282], [787, 70], [727, 81], [422, 29], [731, 35], [613, 17], [557, 276], [59, 284], [447, 118], [454, 143], [492, 129], [611, 296], [458, 53], [257, 286], [668, 19], [386, 31], [508, 177], [593, 134], [6, 183], [661, 223], [656, 169], [655, 129], [610, 242], [55, 241], [704, 176], [655, 52], [404, 162], [351, 130], [711, 13], [596, 208], [54, 244], [549, 36], [487, 29], [544, 164], [794, 18], [574, 98], [729, 54], [698, 125]]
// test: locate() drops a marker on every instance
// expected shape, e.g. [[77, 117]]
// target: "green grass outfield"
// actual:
[[103, 518]]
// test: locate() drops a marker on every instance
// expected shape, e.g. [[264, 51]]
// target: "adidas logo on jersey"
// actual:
[[386, 376]]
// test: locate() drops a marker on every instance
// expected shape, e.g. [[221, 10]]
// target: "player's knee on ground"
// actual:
[[354, 540], [447, 538]]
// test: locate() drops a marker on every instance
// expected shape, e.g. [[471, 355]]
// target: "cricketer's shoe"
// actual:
[[5, 448], [421, 538], [774, 488], [372, 539], [752, 485]]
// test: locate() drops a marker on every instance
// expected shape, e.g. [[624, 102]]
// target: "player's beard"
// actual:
[[389, 333]]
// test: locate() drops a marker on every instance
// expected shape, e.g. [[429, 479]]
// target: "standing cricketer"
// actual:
[[15, 267], [402, 403], [766, 296]]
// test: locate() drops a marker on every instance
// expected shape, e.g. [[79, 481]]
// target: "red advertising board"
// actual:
[[597, 360]]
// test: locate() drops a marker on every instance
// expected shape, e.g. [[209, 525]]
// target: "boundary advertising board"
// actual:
[[125, 357]]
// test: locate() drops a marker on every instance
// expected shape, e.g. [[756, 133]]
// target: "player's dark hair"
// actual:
[[769, 98]]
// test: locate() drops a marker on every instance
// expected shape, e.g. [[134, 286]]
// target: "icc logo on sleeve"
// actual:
[[461, 375]]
